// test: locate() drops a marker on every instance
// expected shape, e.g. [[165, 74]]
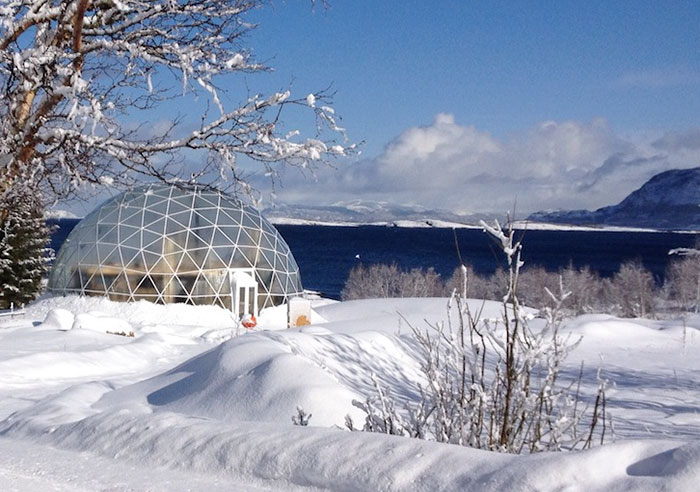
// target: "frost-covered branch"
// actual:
[[685, 252], [493, 384], [76, 75]]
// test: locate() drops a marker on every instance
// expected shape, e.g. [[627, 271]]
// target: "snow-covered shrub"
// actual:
[[24, 253], [383, 417], [493, 384], [382, 281]]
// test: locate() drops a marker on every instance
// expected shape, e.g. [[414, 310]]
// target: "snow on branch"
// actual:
[[685, 252], [76, 74], [509, 246]]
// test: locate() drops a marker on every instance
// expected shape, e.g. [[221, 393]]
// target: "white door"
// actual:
[[244, 291]]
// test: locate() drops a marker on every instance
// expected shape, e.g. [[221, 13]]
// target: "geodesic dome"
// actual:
[[170, 244]]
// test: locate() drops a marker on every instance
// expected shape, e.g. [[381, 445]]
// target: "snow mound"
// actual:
[[265, 376], [59, 319], [303, 458], [96, 358], [140, 313], [395, 316], [102, 323], [615, 330]]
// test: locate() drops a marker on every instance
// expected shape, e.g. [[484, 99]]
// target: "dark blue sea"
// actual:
[[326, 254]]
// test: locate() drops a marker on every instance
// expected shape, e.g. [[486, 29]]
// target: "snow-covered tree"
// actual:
[[76, 74], [24, 252]]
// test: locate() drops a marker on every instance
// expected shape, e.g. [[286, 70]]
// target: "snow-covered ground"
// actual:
[[191, 403]]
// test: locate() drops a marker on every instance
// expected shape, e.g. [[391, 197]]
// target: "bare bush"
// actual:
[[632, 291], [421, 283], [533, 284], [586, 287], [492, 384], [376, 281], [683, 281], [383, 417], [386, 281], [476, 286]]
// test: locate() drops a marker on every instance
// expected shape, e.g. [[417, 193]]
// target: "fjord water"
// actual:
[[326, 254]]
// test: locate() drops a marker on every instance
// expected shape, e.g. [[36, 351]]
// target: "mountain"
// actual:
[[365, 212], [668, 201]]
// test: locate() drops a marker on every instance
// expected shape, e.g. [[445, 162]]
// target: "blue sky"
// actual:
[[565, 102], [501, 66], [472, 106]]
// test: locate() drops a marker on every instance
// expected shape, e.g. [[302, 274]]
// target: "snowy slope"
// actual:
[[173, 405], [370, 212]]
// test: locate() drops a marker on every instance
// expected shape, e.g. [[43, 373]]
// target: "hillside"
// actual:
[[367, 212], [669, 200]]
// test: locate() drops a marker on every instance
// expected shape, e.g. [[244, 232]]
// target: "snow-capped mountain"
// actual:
[[669, 200], [365, 212]]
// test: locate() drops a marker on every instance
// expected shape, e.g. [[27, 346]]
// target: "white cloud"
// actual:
[[554, 165]]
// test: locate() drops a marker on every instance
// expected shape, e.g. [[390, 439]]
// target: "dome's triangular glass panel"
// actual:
[[168, 244]]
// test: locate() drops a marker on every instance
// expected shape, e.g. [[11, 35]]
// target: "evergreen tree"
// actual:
[[24, 253]]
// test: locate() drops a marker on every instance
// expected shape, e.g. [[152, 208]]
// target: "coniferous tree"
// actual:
[[24, 253]]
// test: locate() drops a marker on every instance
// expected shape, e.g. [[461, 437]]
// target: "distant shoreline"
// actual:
[[520, 225]]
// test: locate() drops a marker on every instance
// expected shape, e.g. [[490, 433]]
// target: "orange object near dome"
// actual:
[[249, 322]]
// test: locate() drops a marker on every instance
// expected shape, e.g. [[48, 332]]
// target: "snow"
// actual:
[[60, 214], [311, 100], [518, 225], [59, 319], [54, 96], [548, 226], [397, 223], [192, 401]]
